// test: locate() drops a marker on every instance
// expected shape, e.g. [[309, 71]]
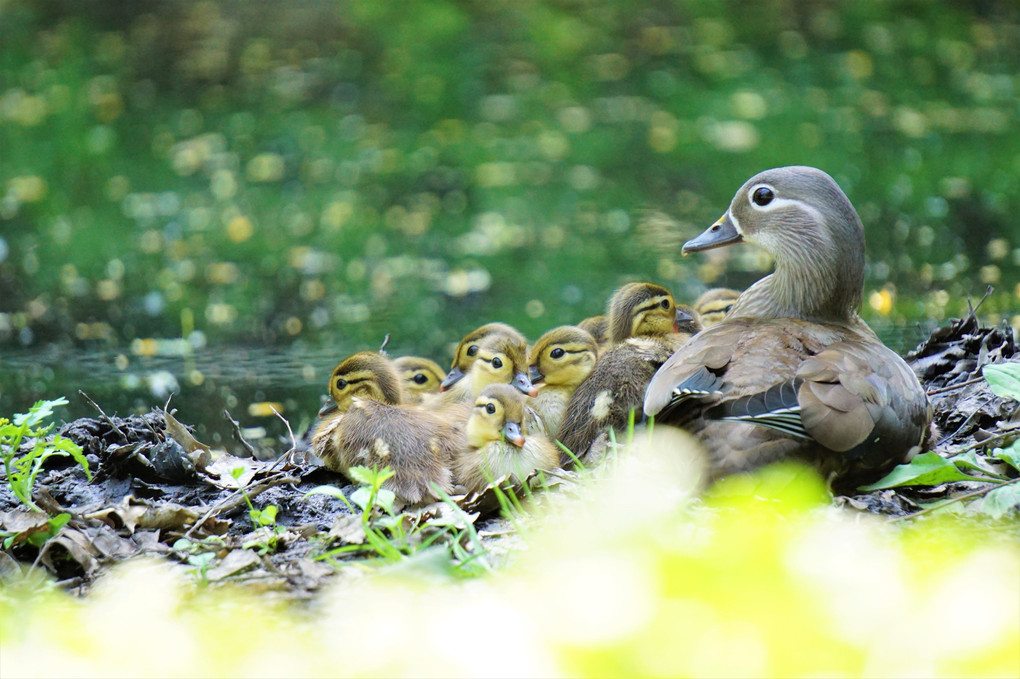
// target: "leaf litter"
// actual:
[[285, 525]]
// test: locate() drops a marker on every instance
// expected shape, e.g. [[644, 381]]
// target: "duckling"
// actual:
[[560, 360], [499, 442], [420, 376], [640, 310], [793, 370], [714, 304], [617, 385], [501, 359], [467, 350], [368, 426], [598, 326]]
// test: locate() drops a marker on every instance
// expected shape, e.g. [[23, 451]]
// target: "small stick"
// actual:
[[237, 433], [105, 416], [385, 341], [979, 491], [961, 385], [991, 439], [235, 500]]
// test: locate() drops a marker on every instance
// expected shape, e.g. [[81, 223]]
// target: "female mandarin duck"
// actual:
[[499, 442], [561, 360], [647, 326], [368, 426], [793, 370]]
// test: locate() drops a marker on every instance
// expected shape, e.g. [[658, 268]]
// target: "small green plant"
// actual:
[[200, 555], [262, 520], [22, 470]]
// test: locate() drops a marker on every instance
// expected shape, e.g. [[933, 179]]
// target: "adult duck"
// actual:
[[793, 370]]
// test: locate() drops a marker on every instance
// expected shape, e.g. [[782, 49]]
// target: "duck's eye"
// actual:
[[472, 350], [341, 383], [556, 353], [497, 363], [420, 378], [489, 408], [762, 196], [727, 309], [664, 304]]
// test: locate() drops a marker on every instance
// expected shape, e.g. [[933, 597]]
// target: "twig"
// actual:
[[979, 491], [293, 443], [105, 416], [952, 387], [385, 341], [236, 499], [991, 439], [237, 433]]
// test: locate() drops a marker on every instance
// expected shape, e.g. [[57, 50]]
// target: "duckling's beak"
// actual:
[[451, 379], [512, 433], [524, 385], [683, 316], [328, 408], [537, 378], [723, 232]]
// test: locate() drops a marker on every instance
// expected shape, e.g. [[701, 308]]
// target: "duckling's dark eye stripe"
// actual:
[[650, 307]]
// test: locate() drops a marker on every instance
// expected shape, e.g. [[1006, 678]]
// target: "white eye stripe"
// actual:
[[736, 223]]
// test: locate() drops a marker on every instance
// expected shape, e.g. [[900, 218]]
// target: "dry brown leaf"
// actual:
[[348, 529], [235, 561], [74, 544]]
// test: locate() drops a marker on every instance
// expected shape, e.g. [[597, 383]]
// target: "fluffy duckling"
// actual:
[[714, 304], [467, 350], [560, 360], [598, 327], [640, 310], [420, 376], [499, 442], [499, 359], [793, 370], [368, 426]]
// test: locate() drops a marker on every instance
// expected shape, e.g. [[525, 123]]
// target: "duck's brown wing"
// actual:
[[819, 384]]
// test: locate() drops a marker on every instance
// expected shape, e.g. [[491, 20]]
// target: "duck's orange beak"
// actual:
[[723, 232]]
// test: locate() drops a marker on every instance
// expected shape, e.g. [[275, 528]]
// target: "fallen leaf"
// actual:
[[235, 561], [348, 529]]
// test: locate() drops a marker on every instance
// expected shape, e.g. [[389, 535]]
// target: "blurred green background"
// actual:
[[223, 199]]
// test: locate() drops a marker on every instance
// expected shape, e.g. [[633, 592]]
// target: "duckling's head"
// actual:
[[467, 350], [419, 375], [367, 375], [803, 219], [641, 310], [713, 306], [564, 356], [501, 359], [498, 414], [688, 322], [598, 326]]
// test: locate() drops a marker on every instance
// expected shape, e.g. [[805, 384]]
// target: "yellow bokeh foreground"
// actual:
[[761, 577]]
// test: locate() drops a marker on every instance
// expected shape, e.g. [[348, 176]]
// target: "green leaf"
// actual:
[[1002, 501], [927, 469], [331, 491], [1003, 379], [268, 515], [361, 497], [362, 475], [385, 499], [1010, 456], [39, 412], [973, 461]]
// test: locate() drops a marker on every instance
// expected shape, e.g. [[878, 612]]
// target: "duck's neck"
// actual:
[[818, 281]]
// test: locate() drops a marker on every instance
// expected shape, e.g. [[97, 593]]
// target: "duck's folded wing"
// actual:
[[692, 373]]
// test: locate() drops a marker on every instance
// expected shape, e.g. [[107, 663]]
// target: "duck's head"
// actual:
[[501, 359], [564, 356], [641, 310], [367, 375], [419, 375], [598, 326], [498, 414], [713, 305], [803, 219], [467, 350], [688, 322]]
